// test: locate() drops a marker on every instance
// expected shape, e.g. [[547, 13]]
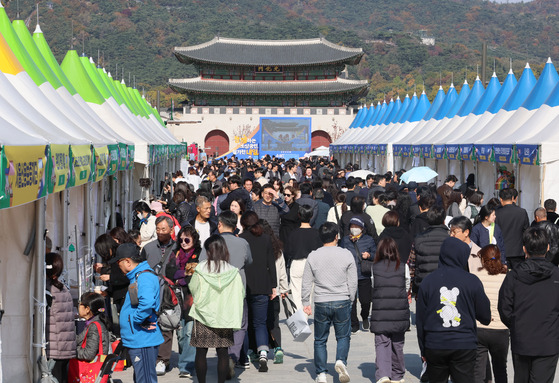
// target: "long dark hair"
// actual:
[[241, 203], [341, 198], [249, 221], [54, 265], [484, 212], [96, 303], [189, 230], [105, 246], [119, 234], [388, 249], [216, 249], [277, 244]]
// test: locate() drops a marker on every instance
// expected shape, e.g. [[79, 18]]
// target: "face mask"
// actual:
[[355, 231], [140, 216], [344, 190]]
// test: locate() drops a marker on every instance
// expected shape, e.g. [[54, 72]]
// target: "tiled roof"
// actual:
[[268, 52], [199, 85]]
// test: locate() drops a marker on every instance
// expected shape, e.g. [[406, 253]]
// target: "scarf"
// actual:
[[355, 238], [183, 257]]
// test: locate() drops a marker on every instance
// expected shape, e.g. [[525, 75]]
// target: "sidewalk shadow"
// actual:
[[368, 371], [413, 364]]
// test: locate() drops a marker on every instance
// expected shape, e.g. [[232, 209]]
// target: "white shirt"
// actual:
[[203, 230]]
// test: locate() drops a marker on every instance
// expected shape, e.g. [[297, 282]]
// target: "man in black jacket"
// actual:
[[426, 248], [552, 231], [235, 185], [449, 302], [513, 221], [529, 307]]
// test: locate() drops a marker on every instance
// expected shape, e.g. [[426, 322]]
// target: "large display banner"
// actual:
[[287, 137], [24, 174]]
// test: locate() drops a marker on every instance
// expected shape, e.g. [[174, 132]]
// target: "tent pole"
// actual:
[[113, 200], [65, 230], [101, 207], [517, 183], [88, 219], [39, 293], [476, 173], [123, 188]]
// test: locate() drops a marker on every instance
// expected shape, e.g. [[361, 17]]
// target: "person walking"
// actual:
[[217, 307], [494, 338], [486, 231], [261, 281], [449, 302], [179, 269], [513, 221], [391, 311], [333, 272], [529, 307], [299, 244], [363, 248]]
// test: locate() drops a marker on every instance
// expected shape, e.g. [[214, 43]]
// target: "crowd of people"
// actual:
[[235, 237]]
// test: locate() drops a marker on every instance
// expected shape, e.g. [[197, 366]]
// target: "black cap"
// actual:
[[126, 250]]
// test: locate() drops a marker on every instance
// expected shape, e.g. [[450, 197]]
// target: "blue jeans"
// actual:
[[337, 313], [143, 360], [187, 353], [258, 313]]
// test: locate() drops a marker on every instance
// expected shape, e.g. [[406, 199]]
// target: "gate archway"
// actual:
[[216, 143]]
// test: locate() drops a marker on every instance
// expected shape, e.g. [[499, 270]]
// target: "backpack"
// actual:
[[170, 302]]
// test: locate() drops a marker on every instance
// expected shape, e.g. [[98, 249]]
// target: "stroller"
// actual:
[[113, 362]]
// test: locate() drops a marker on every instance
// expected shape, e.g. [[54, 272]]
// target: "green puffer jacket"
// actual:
[[217, 297]]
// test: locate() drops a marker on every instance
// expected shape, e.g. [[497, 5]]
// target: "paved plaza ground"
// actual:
[[298, 363]]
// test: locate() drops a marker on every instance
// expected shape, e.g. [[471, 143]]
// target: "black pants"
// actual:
[[60, 370], [364, 292], [534, 369], [496, 343], [459, 364], [165, 349], [513, 262], [272, 322]]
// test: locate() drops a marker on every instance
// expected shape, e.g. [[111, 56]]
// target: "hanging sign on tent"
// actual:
[[130, 158], [113, 160], [382, 149], [527, 154], [466, 152], [503, 153], [406, 150], [123, 156], [426, 150], [101, 162], [453, 152], [60, 167], [439, 151], [24, 174], [416, 151], [373, 149], [80, 156], [397, 150], [484, 153]]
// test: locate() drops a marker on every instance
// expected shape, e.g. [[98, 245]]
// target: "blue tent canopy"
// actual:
[[395, 110], [423, 105], [409, 110], [437, 102], [380, 114], [508, 86], [386, 113], [475, 94], [403, 109], [449, 100], [462, 97], [489, 95], [521, 90], [543, 88]]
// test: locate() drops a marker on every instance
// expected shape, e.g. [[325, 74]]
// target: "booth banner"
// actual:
[[466, 152], [406, 150], [503, 153], [453, 152], [113, 160], [440, 151], [59, 168], [426, 150], [484, 153], [416, 150], [80, 165], [397, 150], [131, 152], [123, 156], [528, 154], [373, 149], [361, 149], [25, 172], [382, 149], [101, 162]]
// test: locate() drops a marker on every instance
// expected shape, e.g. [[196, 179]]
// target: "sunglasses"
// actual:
[[185, 240], [288, 195]]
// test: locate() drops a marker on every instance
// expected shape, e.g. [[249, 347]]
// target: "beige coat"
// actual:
[[491, 285]]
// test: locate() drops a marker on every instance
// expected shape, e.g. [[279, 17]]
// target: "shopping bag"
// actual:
[[80, 371], [118, 349], [297, 322]]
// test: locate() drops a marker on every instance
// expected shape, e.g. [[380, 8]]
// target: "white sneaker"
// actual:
[[384, 379], [321, 378], [160, 368], [342, 371]]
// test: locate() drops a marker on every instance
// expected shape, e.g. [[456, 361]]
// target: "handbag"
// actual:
[[80, 371], [297, 322], [366, 265]]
